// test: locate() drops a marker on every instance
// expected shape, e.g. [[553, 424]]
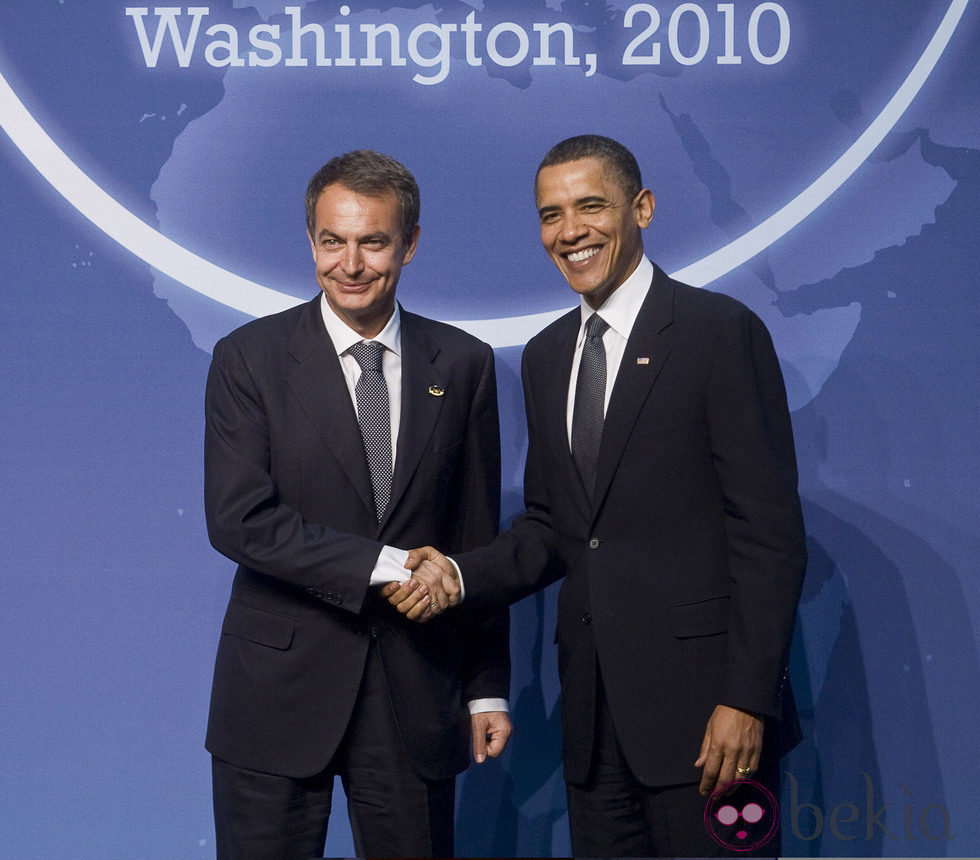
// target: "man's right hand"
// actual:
[[433, 587]]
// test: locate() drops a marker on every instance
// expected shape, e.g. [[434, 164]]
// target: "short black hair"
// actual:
[[372, 174], [615, 156]]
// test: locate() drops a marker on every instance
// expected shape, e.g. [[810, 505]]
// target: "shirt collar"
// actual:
[[623, 306], [344, 337]]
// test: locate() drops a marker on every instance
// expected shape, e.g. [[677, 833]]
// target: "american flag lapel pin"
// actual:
[[643, 359]]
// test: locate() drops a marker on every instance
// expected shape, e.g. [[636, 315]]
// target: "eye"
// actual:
[[752, 812], [328, 242], [728, 814], [549, 218]]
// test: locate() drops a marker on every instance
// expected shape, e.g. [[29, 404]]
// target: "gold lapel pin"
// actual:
[[436, 391], [643, 360]]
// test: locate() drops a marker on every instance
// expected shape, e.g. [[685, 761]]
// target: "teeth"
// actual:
[[579, 256]]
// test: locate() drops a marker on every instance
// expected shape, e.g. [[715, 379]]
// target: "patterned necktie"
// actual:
[[590, 397], [374, 416]]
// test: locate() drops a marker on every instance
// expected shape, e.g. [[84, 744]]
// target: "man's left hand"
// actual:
[[730, 749], [491, 729]]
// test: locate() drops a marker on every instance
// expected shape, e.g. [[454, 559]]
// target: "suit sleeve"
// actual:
[[246, 520], [754, 458], [522, 559], [486, 637]]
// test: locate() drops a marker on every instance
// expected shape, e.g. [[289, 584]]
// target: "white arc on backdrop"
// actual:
[[210, 280]]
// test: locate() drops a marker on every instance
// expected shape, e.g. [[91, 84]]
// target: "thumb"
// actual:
[[480, 743]]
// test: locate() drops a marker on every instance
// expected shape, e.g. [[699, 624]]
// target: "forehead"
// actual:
[[574, 180], [340, 209]]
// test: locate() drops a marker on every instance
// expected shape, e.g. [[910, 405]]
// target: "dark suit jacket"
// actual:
[[288, 497], [682, 575]]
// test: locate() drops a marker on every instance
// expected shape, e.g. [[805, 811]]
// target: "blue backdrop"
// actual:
[[819, 161]]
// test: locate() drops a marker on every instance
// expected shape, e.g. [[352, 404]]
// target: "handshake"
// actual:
[[433, 587]]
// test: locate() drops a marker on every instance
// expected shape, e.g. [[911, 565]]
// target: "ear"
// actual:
[[412, 246], [643, 205]]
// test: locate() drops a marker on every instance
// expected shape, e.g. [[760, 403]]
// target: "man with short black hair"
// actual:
[[660, 485]]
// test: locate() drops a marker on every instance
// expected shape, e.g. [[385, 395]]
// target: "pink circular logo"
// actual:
[[741, 815]]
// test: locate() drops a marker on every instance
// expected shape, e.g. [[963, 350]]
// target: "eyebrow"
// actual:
[[379, 235]]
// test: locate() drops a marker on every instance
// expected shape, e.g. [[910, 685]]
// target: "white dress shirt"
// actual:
[[619, 311], [390, 566]]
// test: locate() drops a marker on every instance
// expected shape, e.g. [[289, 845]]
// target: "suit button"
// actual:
[[594, 543], [586, 617]]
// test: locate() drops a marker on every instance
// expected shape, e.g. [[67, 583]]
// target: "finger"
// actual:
[[727, 772], [496, 745], [709, 776], [498, 739], [407, 591], [413, 600], [389, 588], [420, 606], [751, 756]]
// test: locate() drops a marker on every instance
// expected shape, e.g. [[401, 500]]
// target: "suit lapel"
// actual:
[[646, 351], [420, 409], [318, 381]]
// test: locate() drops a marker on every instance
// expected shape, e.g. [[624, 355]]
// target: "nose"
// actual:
[[352, 261], [572, 229]]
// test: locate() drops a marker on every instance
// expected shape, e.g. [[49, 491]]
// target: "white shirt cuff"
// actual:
[[481, 706], [390, 566], [462, 591]]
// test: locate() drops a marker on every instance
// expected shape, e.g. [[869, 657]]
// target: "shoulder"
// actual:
[[265, 332], [555, 333], [701, 300], [703, 308], [448, 338]]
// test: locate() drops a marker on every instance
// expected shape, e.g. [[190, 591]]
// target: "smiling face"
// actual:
[[359, 253], [589, 226]]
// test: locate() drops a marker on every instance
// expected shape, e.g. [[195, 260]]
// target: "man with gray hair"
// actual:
[[336, 432]]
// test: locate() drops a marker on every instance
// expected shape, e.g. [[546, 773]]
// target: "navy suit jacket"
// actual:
[[288, 497], [683, 572]]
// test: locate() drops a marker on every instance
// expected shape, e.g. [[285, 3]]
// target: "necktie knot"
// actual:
[[367, 353], [595, 326]]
